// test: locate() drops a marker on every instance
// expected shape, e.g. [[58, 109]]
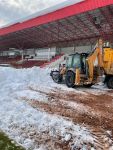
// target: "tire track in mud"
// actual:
[[96, 124], [103, 140], [100, 106]]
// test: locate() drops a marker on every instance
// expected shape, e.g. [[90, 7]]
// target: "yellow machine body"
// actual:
[[108, 60], [76, 75]]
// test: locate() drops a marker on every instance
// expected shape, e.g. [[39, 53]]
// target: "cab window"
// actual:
[[76, 61], [69, 61]]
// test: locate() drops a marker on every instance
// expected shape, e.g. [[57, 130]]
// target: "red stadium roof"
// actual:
[[84, 21]]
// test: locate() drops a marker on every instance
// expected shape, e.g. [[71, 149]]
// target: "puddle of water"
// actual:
[[7, 144]]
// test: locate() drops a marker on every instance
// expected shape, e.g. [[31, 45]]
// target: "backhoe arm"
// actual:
[[97, 54]]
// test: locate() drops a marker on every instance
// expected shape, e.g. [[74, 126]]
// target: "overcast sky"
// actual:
[[11, 10]]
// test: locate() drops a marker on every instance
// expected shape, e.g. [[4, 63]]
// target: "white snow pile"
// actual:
[[19, 120], [25, 76]]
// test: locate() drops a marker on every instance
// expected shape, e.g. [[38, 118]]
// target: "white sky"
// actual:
[[11, 10]]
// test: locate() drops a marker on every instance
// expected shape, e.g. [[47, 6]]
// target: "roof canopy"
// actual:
[[79, 23]]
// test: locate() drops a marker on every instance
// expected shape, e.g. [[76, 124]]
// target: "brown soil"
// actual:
[[101, 105]]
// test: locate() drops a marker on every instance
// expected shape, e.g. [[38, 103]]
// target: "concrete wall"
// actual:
[[79, 49], [9, 53], [44, 51]]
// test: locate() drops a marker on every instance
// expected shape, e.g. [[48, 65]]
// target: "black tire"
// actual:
[[109, 83], [70, 79], [56, 76], [88, 85]]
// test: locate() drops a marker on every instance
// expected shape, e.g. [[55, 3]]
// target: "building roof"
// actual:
[[79, 22], [45, 11]]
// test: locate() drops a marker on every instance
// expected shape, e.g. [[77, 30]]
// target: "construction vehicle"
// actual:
[[86, 69]]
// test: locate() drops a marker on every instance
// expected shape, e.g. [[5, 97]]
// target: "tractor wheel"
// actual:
[[110, 83], [56, 76], [70, 79]]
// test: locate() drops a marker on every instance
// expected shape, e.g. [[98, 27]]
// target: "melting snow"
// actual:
[[18, 119]]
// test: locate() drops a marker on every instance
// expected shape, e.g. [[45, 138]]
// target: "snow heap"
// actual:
[[18, 119], [25, 76]]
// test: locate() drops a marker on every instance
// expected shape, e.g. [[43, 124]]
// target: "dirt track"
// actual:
[[88, 109], [100, 107]]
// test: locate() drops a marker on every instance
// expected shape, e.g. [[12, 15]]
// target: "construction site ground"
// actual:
[[43, 115], [91, 107], [82, 106]]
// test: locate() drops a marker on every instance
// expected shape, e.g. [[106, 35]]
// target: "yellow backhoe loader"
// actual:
[[86, 69]]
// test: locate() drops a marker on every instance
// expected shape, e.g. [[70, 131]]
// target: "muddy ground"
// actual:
[[92, 108]]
